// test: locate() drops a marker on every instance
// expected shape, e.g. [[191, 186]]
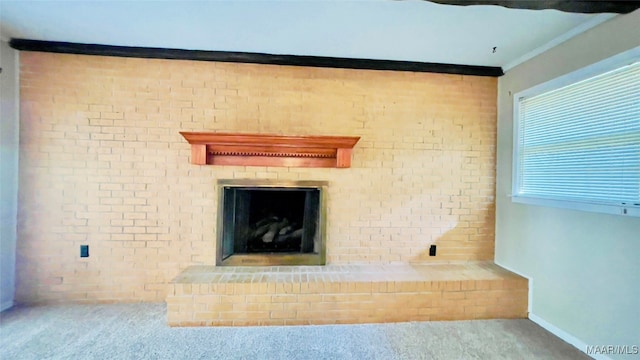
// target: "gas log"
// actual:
[[275, 233]]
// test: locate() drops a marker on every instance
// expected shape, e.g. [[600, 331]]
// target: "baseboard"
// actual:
[[574, 341], [6, 305]]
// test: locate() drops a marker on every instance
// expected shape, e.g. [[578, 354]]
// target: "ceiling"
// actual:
[[409, 30]]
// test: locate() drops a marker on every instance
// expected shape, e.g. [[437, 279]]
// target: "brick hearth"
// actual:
[[344, 294]]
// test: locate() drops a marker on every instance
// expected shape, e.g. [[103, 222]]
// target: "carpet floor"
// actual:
[[139, 331]]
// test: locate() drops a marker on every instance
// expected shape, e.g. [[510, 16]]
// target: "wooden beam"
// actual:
[[252, 58], [574, 6]]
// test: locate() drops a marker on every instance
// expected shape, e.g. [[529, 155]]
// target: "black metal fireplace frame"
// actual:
[[271, 259]]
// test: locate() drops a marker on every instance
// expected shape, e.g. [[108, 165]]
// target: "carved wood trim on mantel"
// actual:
[[208, 148]]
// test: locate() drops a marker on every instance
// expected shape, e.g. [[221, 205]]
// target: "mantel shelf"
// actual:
[[209, 148]]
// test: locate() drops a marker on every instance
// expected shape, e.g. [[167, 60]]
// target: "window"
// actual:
[[577, 139]]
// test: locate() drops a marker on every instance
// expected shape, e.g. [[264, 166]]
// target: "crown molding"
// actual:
[[597, 20]]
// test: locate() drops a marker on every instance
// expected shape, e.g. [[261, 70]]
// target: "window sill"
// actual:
[[633, 211]]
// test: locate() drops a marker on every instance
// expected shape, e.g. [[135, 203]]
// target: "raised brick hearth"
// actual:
[[344, 294]]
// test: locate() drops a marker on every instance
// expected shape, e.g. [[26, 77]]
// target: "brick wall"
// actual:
[[102, 164]]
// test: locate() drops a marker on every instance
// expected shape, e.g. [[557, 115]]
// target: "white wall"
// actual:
[[584, 267], [8, 171]]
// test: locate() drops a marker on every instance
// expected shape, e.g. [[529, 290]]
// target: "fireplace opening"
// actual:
[[271, 223]]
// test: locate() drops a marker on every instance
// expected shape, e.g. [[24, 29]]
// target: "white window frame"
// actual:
[[612, 63]]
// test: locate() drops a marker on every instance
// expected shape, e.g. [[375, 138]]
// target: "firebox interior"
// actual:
[[274, 225]]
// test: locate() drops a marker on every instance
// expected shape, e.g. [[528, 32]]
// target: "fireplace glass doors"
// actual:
[[271, 223]]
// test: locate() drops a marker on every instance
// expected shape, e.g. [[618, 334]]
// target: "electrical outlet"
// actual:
[[84, 250]]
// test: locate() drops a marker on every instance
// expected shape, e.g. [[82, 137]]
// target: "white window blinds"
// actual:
[[581, 142]]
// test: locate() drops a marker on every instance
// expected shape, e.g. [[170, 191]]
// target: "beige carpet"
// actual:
[[139, 331]]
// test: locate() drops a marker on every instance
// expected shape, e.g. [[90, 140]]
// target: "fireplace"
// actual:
[[265, 222]]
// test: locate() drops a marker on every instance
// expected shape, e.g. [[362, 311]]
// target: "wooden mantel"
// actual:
[[209, 148]]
